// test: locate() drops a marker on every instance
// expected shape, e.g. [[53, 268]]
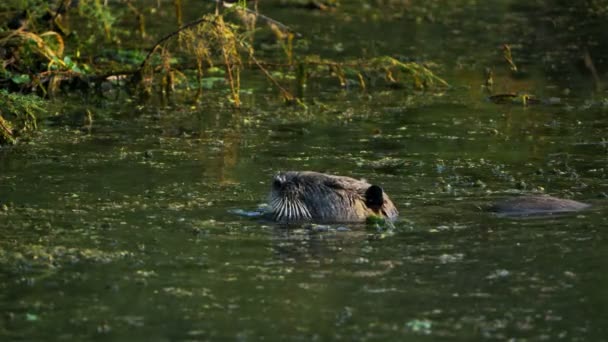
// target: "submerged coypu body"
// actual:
[[308, 196], [311, 196], [537, 205]]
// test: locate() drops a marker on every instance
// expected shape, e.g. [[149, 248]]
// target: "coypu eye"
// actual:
[[373, 197], [276, 183]]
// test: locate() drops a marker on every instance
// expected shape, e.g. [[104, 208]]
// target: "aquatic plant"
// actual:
[[17, 115], [212, 40]]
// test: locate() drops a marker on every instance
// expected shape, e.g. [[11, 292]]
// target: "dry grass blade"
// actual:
[[416, 70], [20, 38], [6, 132]]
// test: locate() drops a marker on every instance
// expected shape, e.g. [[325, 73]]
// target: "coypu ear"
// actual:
[[374, 198]]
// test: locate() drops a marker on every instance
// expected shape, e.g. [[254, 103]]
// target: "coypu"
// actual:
[[318, 197], [537, 205]]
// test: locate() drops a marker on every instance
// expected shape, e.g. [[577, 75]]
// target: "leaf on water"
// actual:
[[422, 326], [31, 317], [177, 292], [241, 212], [499, 274], [21, 79], [209, 82]]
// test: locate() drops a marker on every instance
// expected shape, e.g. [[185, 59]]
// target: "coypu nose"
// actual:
[[373, 197]]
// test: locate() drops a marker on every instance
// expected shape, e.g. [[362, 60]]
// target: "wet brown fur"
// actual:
[[537, 205], [317, 197]]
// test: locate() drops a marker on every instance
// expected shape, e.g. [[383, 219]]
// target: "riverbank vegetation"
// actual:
[[50, 48], [155, 49]]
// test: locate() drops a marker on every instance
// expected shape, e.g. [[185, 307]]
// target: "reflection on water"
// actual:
[[128, 230]]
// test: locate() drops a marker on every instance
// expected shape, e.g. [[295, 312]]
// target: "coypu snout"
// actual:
[[318, 197]]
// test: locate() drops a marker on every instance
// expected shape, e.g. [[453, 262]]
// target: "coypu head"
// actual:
[[318, 197]]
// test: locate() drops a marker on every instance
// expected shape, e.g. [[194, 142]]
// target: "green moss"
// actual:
[[18, 115]]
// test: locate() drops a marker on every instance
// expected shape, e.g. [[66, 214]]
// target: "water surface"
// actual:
[[126, 230]]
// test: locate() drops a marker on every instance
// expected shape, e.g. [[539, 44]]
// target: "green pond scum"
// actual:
[[139, 139]]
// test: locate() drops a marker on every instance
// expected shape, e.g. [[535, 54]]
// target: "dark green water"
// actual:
[[125, 232]]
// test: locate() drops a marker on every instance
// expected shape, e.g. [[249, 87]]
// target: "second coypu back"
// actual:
[[537, 205], [318, 197]]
